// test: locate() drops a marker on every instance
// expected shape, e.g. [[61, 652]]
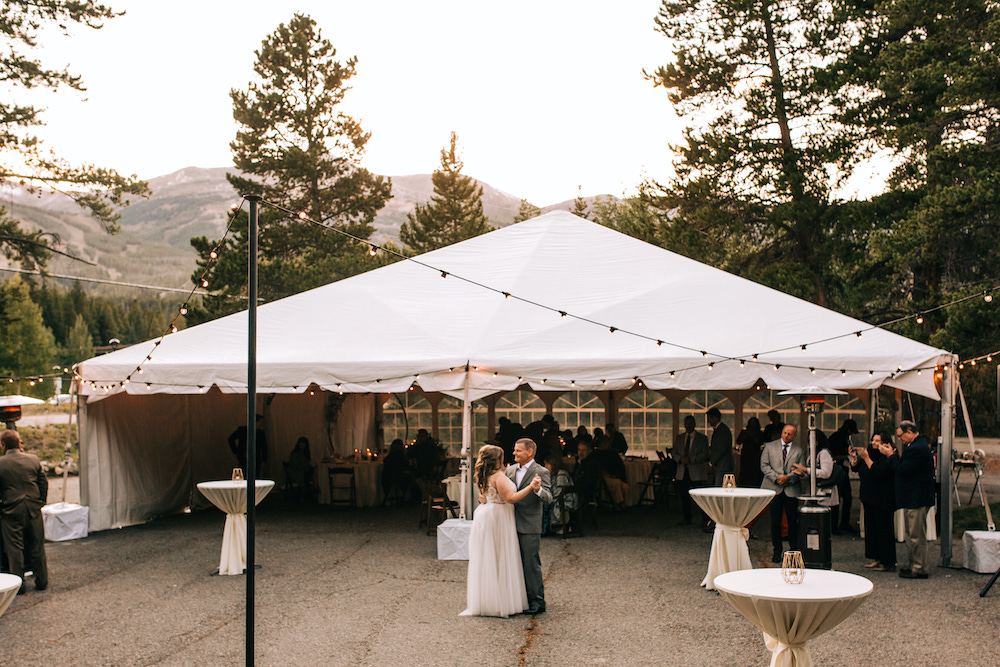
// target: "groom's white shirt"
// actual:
[[519, 474]]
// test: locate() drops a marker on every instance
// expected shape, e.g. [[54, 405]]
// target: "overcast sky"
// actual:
[[545, 95]]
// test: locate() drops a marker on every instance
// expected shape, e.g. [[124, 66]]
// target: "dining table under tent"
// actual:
[[555, 304]]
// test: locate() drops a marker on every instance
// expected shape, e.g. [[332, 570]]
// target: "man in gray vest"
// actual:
[[528, 519]]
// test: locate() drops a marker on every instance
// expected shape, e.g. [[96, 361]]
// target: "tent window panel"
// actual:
[[405, 413], [579, 408], [645, 418], [840, 408], [697, 403], [521, 407], [450, 425], [763, 402]]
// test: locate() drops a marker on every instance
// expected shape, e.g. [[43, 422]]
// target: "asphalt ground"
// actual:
[[364, 587]]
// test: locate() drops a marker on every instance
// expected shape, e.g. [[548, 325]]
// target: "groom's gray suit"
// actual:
[[528, 521]]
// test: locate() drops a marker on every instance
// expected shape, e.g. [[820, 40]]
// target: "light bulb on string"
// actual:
[[612, 329], [812, 370], [988, 296], [777, 366], [506, 295], [302, 215], [372, 250], [184, 310], [562, 314], [803, 349], [989, 357], [214, 254], [920, 318], [742, 363], [858, 334], [444, 274], [204, 282]]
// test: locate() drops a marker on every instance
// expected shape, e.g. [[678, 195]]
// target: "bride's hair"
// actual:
[[489, 460]]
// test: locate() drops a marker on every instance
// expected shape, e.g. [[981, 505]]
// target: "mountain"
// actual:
[[154, 245]]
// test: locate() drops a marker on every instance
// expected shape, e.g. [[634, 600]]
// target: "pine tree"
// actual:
[[299, 151], [79, 343], [24, 161], [580, 206], [527, 211], [27, 346], [455, 212]]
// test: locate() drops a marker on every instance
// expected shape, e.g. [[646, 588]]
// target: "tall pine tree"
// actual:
[[455, 212], [298, 150]]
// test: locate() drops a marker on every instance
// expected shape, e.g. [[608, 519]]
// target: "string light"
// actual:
[[988, 296], [803, 349], [920, 318], [372, 250]]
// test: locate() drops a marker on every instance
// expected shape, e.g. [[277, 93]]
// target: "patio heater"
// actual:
[[814, 519], [10, 409]]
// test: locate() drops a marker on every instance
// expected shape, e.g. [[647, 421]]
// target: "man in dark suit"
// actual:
[[720, 452], [528, 519], [777, 465], [914, 493], [23, 491]]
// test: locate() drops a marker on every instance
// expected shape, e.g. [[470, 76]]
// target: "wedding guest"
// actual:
[[914, 471], [777, 465], [613, 471], [586, 472], [618, 442], [773, 430], [300, 470], [238, 444], [690, 452], [552, 517], [396, 477], [426, 456], [750, 441], [878, 500], [23, 491], [840, 447], [720, 451]]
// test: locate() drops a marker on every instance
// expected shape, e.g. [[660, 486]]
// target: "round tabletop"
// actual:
[[819, 585], [230, 496], [9, 585]]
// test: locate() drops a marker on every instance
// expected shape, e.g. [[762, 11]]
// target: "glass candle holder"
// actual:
[[793, 570], [237, 474], [729, 481]]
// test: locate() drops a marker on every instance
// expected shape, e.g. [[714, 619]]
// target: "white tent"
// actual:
[[557, 303]]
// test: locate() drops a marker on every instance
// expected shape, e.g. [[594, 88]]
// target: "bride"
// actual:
[[496, 581]]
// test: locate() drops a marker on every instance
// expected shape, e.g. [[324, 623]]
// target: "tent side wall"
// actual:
[[141, 456]]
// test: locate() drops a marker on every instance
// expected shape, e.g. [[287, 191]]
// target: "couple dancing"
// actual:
[[505, 571]]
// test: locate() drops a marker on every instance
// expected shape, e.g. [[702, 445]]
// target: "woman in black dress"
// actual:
[[878, 495]]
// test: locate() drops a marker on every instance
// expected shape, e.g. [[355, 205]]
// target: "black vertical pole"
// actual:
[[251, 419]]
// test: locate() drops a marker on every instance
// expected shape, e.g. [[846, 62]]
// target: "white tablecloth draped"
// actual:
[[453, 486], [899, 523], [731, 509], [9, 585], [981, 551], [636, 473], [231, 498], [790, 615], [367, 482]]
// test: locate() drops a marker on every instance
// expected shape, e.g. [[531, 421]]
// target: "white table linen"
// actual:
[[65, 521], [899, 523], [731, 509], [9, 585], [231, 497], [453, 486], [367, 482], [981, 551], [636, 473], [790, 615], [453, 539]]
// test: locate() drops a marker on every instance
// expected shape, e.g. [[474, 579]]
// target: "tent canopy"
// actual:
[[588, 308]]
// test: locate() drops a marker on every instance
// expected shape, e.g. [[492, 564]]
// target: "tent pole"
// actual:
[[251, 420], [466, 500], [944, 457]]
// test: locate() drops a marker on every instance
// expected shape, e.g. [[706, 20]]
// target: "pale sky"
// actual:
[[545, 95]]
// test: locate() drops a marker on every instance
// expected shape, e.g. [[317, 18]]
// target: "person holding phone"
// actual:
[[878, 498]]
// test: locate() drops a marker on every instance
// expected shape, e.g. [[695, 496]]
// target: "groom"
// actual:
[[528, 519]]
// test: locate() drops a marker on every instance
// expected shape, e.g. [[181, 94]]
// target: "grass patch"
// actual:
[[48, 443], [973, 518]]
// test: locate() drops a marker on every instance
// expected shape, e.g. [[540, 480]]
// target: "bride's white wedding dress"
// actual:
[[496, 581]]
